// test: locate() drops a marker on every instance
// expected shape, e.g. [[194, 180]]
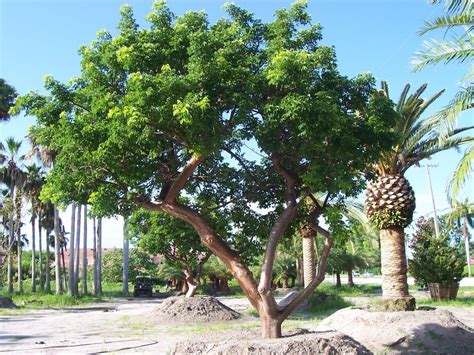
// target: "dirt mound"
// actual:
[[6, 302], [195, 309], [250, 342], [432, 331]]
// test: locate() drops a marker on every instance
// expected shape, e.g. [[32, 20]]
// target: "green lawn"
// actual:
[[42, 299]]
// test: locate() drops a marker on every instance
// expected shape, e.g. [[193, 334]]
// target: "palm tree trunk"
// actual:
[[394, 268], [466, 242], [350, 279], [84, 254], [47, 269], [99, 254], [57, 256], [126, 244], [33, 253], [11, 233], [18, 243], [309, 270], [72, 257], [94, 265], [78, 246], [40, 252]]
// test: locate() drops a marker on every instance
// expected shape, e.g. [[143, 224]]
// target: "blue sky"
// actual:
[[380, 36]]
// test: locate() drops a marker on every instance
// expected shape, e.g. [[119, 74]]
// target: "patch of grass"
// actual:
[[42, 299], [458, 302], [347, 291], [206, 327], [321, 305]]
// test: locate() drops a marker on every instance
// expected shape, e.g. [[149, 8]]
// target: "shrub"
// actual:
[[434, 259]]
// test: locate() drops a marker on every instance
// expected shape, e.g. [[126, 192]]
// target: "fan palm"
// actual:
[[463, 214], [12, 175], [390, 200]]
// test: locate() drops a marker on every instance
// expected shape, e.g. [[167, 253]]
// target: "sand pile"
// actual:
[[432, 331], [195, 309], [240, 342]]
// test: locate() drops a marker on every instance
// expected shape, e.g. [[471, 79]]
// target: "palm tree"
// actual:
[[14, 178], [390, 200], [33, 184], [463, 214], [7, 98]]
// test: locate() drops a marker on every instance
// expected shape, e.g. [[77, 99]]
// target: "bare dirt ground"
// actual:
[[127, 325]]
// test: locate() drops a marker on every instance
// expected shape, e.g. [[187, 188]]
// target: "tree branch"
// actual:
[[183, 177]]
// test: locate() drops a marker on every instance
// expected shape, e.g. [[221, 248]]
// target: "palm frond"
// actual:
[[403, 95], [462, 101], [430, 147], [461, 174], [441, 51], [447, 22]]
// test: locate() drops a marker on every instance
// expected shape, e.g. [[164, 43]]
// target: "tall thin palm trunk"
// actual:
[[72, 257], [84, 254], [40, 255], [18, 244], [33, 252], [126, 244], [94, 251], [46, 266], [99, 253], [78, 246], [11, 238], [57, 256], [466, 243]]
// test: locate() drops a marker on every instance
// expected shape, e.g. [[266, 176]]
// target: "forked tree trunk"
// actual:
[[394, 268], [271, 327], [84, 254], [33, 253], [309, 269], [191, 284]]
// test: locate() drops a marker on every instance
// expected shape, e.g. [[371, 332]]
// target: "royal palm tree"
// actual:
[[33, 183], [390, 200], [462, 214], [12, 175]]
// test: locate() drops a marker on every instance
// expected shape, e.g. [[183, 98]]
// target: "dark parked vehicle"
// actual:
[[143, 286]]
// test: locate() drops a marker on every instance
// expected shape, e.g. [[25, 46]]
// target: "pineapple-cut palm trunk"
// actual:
[[394, 267], [309, 270]]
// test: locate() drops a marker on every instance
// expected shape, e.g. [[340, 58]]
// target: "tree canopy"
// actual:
[[236, 116]]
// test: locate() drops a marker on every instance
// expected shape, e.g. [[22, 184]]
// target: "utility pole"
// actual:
[[427, 166]]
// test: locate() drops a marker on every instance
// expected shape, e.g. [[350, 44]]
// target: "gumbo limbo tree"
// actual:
[[178, 242], [240, 114]]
